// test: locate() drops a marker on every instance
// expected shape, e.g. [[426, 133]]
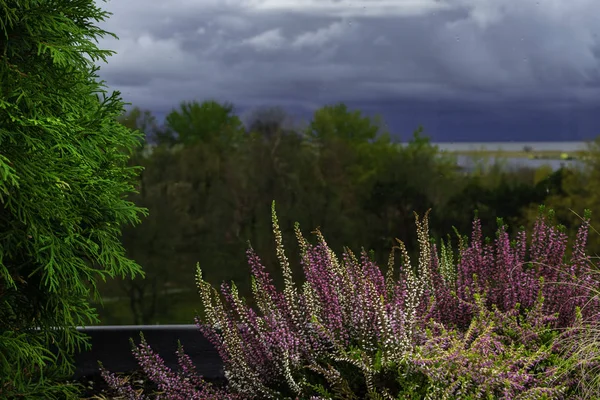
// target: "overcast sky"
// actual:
[[474, 70]]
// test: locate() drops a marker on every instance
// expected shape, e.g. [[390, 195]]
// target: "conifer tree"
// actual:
[[63, 181]]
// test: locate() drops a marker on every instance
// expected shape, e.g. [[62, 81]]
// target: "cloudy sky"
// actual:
[[467, 70]]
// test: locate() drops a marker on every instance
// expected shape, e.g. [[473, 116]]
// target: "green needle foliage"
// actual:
[[63, 179]]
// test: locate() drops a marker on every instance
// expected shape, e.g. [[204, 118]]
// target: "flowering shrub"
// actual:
[[511, 278], [483, 327], [582, 342], [184, 385], [502, 355]]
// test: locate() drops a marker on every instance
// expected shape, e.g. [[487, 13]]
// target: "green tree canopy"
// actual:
[[338, 122], [208, 122], [63, 174]]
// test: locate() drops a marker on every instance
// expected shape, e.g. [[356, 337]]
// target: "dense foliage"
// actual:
[[63, 174], [482, 326]]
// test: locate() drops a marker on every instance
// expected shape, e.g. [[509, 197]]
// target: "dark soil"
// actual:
[[96, 387]]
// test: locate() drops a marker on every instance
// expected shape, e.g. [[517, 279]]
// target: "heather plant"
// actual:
[[186, 385], [444, 329], [582, 342], [511, 274], [501, 355]]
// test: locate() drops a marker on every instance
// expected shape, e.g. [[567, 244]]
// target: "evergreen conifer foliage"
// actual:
[[63, 181]]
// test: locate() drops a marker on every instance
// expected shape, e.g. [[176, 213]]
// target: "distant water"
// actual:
[[515, 162], [513, 146]]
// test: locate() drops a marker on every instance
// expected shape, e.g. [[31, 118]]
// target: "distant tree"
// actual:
[[63, 174], [208, 122], [338, 122], [414, 177], [152, 243], [352, 150]]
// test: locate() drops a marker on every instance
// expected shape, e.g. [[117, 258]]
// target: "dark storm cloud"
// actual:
[[500, 61]]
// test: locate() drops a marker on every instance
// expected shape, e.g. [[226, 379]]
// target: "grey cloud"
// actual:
[[538, 54]]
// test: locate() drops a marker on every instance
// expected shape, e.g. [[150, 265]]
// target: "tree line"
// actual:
[[209, 179]]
